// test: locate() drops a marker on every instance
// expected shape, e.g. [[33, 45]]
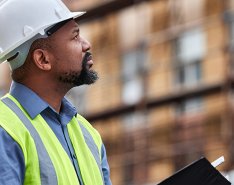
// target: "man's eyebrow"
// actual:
[[76, 30]]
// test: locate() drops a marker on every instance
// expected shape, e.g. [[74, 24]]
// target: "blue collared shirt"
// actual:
[[12, 167]]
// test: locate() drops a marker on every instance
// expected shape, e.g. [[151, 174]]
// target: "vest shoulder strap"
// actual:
[[47, 171], [93, 132]]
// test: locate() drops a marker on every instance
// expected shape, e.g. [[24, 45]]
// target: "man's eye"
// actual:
[[76, 37]]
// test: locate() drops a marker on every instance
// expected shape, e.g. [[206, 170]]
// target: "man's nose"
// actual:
[[85, 45]]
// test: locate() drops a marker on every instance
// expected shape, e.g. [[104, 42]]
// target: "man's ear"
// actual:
[[42, 59]]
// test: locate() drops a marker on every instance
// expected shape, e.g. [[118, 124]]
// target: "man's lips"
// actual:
[[89, 62], [89, 57]]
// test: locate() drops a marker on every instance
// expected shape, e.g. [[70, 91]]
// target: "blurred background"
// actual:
[[165, 96]]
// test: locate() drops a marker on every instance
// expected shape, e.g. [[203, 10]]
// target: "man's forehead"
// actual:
[[75, 24], [71, 26], [66, 25]]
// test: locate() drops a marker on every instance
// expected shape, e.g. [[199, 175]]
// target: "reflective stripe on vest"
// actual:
[[47, 171], [92, 146]]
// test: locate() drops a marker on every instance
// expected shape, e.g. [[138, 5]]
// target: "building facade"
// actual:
[[164, 98]]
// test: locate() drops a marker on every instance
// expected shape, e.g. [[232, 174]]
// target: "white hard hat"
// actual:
[[24, 21]]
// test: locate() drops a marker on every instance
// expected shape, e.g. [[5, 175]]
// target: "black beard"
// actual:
[[86, 76]]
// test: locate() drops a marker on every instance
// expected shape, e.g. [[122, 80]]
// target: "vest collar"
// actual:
[[30, 101], [34, 105]]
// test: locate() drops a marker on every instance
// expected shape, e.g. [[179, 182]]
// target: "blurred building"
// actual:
[[165, 95], [5, 78]]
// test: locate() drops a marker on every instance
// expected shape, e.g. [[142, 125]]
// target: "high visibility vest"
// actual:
[[46, 162]]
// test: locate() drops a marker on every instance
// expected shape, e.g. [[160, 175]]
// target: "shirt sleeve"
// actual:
[[12, 167], [105, 167]]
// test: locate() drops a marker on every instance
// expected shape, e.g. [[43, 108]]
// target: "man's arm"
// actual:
[[12, 167], [105, 167]]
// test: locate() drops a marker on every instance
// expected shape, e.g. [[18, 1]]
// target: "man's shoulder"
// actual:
[[3, 107], [90, 128], [84, 122]]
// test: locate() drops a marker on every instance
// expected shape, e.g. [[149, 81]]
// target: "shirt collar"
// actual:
[[67, 110], [34, 105]]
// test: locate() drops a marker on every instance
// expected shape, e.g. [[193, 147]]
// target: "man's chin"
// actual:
[[86, 78]]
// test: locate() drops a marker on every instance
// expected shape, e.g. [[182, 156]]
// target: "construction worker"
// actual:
[[43, 140]]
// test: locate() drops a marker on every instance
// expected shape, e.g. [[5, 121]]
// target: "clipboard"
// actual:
[[200, 172]]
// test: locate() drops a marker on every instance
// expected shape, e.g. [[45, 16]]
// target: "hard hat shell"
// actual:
[[21, 20]]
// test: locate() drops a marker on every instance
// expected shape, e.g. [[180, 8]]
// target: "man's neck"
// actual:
[[52, 94]]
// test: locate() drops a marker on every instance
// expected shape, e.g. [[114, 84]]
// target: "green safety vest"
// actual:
[[46, 162]]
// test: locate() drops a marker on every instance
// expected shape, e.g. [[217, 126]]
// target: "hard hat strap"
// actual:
[[56, 27], [17, 57]]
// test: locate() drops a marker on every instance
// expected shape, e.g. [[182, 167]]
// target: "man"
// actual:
[[42, 138]]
